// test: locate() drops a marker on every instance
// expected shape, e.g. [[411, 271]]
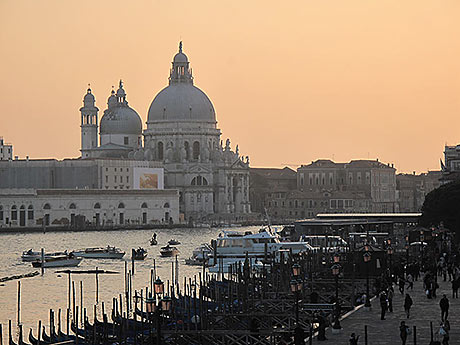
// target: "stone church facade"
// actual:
[[182, 133]]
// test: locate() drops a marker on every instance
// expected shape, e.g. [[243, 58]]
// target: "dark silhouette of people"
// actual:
[[403, 332], [444, 305], [407, 304]]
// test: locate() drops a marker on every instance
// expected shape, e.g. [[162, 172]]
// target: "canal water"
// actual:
[[50, 291]]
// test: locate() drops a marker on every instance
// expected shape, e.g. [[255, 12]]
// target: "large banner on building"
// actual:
[[148, 178]]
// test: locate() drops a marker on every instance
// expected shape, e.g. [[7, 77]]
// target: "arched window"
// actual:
[[196, 150], [14, 212], [166, 205], [22, 207], [30, 212], [121, 205], [144, 205], [160, 151], [97, 205], [72, 206], [187, 150], [1, 213], [199, 181], [47, 206]]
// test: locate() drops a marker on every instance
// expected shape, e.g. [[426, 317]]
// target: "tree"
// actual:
[[443, 205]]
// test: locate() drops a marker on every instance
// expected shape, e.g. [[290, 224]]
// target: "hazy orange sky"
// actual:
[[291, 81]]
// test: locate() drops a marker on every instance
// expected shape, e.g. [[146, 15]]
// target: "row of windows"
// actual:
[[195, 150], [116, 179], [120, 169], [73, 206]]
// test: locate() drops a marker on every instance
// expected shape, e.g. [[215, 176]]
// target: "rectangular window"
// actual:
[[339, 203], [127, 179], [14, 215], [126, 140], [115, 169], [106, 178], [121, 179], [1, 215], [115, 179], [121, 169], [333, 203], [106, 169]]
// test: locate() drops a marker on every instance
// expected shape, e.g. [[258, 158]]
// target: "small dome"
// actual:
[[180, 57], [89, 97], [112, 100], [121, 119]]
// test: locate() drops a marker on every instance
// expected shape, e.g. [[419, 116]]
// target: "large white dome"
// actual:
[[181, 100]]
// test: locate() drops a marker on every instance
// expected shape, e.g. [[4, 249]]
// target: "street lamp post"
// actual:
[[367, 259], [296, 288], [390, 252], [336, 271], [159, 290]]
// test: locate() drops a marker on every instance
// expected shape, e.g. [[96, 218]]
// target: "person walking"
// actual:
[[444, 333], [407, 304], [353, 339], [383, 305], [410, 282], [403, 332], [401, 283], [454, 288], [390, 299], [444, 305]]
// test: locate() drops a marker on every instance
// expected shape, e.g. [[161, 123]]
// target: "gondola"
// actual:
[[173, 242], [139, 254], [20, 340]]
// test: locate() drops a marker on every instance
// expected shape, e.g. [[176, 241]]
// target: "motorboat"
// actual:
[[153, 242], [200, 255], [58, 261], [30, 255], [234, 244], [100, 253], [139, 254], [173, 242], [169, 251]]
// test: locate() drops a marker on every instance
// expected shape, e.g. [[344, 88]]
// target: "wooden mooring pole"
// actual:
[[42, 257], [97, 286], [365, 335], [19, 303]]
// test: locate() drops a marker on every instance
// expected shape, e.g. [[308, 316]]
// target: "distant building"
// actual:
[[265, 181], [451, 166], [86, 208], [411, 189], [81, 174], [6, 150], [376, 180]]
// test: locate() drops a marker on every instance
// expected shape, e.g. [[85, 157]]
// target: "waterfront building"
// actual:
[[99, 173], [411, 189], [6, 150], [451, 166], [371, 177], [182, 134], [87, 208], [265, 181]]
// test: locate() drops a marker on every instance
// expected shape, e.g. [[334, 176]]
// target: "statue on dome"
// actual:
[[227, 145]]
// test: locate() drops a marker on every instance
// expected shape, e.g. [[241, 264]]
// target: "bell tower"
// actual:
[[89, 124]]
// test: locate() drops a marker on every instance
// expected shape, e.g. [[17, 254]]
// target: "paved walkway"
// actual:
[[384, 332]]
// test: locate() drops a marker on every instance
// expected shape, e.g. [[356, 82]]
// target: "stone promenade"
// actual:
[[383, 332]]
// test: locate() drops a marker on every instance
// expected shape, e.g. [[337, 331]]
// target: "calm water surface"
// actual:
[[41, 293]]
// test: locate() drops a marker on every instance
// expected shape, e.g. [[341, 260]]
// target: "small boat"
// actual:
[[173, 242], [200, 255], [169, 251], [30, 255], [153, 242], [100, 253], [139, 254], [58, 261]]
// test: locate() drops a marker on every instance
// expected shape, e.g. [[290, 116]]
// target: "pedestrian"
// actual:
[[444, 305], [401, 283], [444, 333], [403, 332], [455, 288], [410, 282], [322, 324], [407, 304], [390, 299], [354, 339], [383, 305]]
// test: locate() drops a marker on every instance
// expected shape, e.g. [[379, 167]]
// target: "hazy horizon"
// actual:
[[291, 82]]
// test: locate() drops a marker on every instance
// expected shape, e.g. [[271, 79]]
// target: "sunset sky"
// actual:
[[291, 81]]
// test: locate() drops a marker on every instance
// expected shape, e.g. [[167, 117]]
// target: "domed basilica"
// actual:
[[182, 133]]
